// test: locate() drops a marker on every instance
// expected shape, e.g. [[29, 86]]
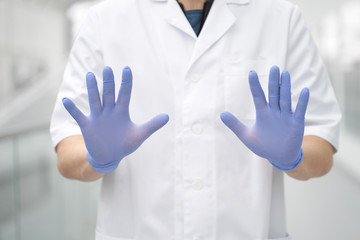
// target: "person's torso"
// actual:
[[193, 178]]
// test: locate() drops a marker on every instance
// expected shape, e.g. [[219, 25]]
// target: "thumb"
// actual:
[[74, 111], [234, 124], [153, 125]]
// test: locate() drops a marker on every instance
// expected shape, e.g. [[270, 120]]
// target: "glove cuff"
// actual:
[[102, 168], [297, 162]]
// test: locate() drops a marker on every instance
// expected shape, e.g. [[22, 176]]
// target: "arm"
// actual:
[[108, 133], [72, 162], [317, 160], [278, 133]]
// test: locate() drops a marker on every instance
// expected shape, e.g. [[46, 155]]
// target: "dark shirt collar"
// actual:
[[205, 13], [207, 5]]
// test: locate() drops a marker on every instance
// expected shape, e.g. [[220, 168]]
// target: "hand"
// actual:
[[108, 131], [278, 131]]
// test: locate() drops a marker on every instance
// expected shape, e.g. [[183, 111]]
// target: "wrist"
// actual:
[[293, 165], [100, 167]]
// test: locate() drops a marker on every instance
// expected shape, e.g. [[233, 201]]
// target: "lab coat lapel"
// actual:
[[177, 19], [218, 22]]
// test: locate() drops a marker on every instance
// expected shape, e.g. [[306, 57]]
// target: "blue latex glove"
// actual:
[[278, 131], [108, 131]]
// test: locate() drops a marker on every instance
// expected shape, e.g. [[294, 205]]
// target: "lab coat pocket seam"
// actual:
[[237, 94], [238, 97], [242, 67]]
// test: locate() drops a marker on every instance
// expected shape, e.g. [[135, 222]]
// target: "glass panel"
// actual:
[[36, 201], [7, 197], [352, 101], [52, 207]]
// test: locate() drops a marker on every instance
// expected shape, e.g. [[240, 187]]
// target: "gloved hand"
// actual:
[[278, 131], [108, 131]]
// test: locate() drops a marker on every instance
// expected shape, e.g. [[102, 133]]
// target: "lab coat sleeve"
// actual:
[[307, 70], [85, 56]]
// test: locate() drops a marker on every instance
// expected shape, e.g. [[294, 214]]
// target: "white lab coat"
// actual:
[[194, 179]]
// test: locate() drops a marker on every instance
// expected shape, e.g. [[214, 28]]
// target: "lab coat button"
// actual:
[[197, 185], [197, 129], [195, 78]]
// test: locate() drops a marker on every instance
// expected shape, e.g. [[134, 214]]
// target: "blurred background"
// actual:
[[37, 203]]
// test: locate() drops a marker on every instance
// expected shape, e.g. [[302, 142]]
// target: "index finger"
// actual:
[[257, 91], [93, 94]]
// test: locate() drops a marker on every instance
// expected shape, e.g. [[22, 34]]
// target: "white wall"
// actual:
[[328, 208], [32, 54], [325, 208]]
